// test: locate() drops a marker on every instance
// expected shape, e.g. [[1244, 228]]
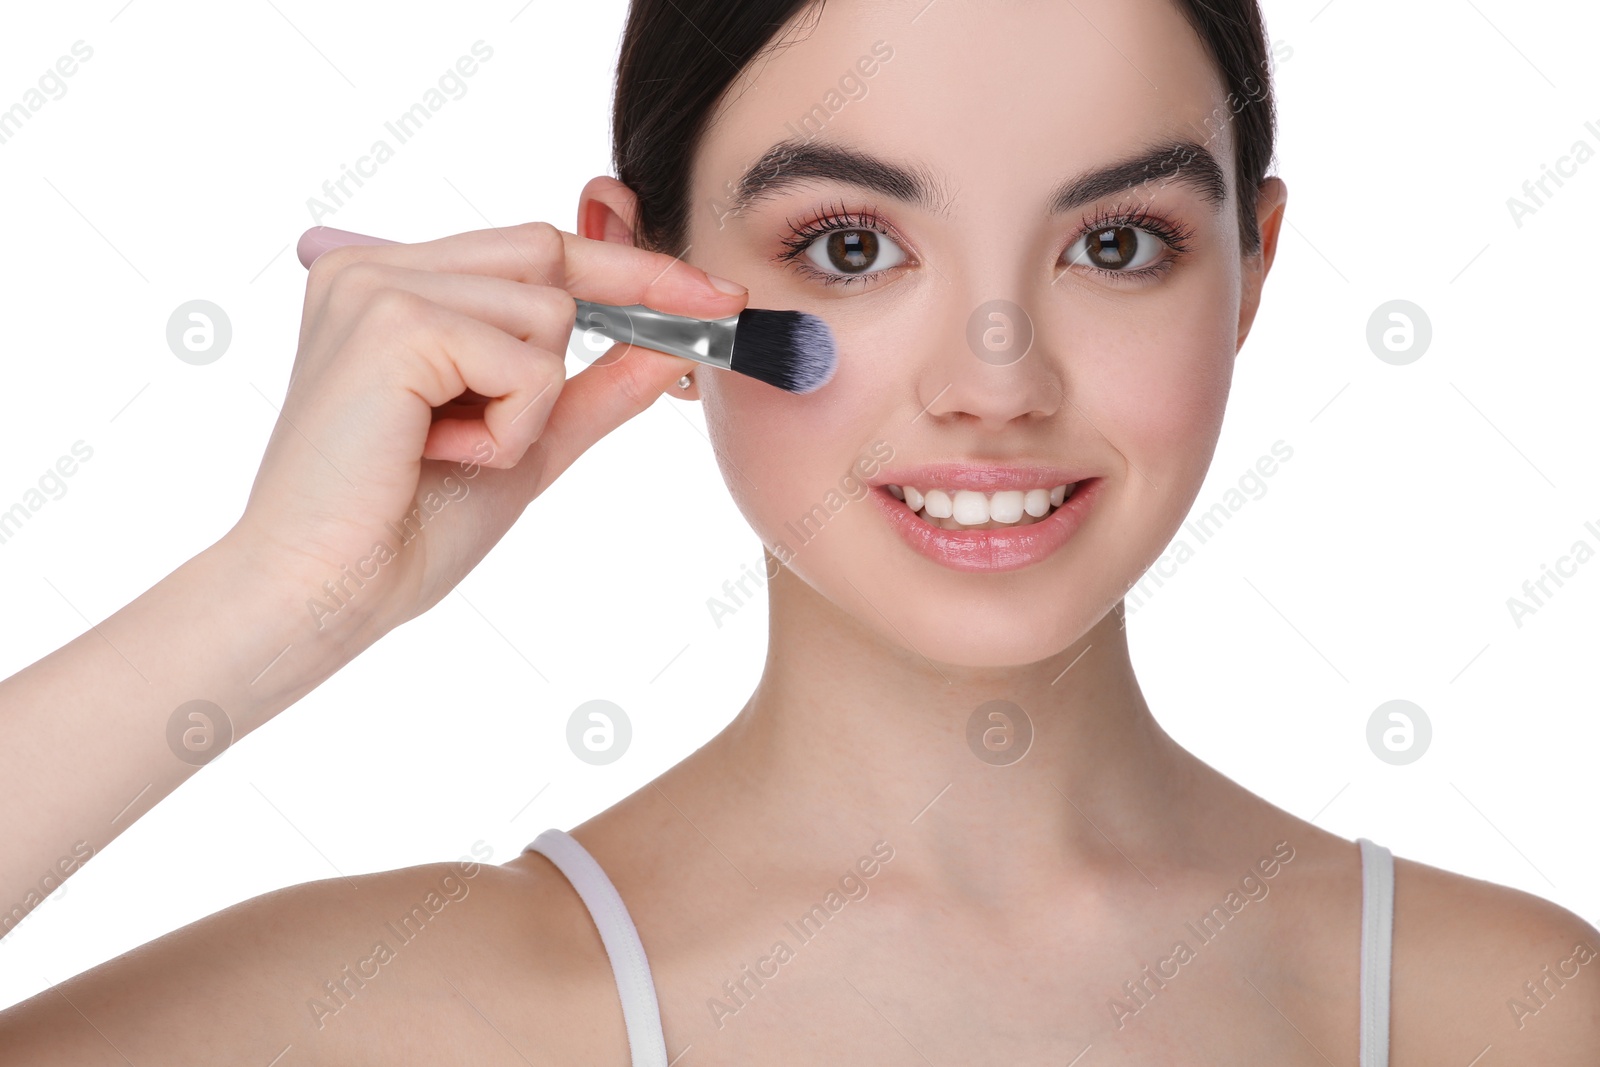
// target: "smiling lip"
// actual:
[[978, 477], [999, 549]]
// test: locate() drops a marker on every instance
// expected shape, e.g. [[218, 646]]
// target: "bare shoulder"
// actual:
[[1479, 965], [443, 962]]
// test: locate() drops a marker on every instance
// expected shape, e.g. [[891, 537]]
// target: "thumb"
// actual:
[[603, 396]]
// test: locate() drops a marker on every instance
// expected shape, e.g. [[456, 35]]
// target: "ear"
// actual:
[[1270, 203], [607, 210]]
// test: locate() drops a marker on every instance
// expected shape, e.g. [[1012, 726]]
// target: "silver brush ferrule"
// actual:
[[708, 341]]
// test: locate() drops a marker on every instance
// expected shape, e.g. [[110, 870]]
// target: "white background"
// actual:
[[1377, 565]]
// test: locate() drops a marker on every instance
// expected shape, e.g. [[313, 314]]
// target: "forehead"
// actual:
[[1002, 96]]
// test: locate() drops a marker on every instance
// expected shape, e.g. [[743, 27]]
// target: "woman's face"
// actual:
[[993, 109]]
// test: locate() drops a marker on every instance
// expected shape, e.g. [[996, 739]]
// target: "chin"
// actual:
[[999, 630], [998, 651]]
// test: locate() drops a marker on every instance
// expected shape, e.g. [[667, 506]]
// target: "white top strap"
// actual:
[[640, 1011], [1377, 928]]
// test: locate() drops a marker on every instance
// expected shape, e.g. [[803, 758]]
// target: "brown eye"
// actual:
[[1116, 249], [1113, 247], [852, 250], [845, 251]]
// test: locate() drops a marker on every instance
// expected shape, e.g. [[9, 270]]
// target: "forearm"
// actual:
[[96, 733]]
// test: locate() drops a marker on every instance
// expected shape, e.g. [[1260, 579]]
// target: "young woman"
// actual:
[[945, 827]]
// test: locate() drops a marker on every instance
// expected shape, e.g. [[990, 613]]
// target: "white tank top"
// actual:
[[642, 1014]]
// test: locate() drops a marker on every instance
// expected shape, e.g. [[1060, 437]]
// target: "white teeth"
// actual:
[[966, 507], [1006, 506], [969, 508]]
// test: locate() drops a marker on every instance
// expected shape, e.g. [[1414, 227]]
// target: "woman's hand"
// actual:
[[428, 404], [427, 407]]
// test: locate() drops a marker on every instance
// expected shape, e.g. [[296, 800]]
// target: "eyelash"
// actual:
[[833, 218], [1176, 236]]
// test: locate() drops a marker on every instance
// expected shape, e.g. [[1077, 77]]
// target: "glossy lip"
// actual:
[[979, 477], [990, 551]]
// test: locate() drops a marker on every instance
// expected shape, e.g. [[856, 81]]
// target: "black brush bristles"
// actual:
[[790, 349]]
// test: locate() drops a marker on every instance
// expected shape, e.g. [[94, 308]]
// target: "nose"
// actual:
[[991, 365]]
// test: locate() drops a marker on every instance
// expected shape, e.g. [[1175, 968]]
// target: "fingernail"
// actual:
[[732, 288], [320, 239]]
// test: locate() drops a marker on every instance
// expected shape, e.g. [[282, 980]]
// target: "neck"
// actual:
[[849, 739]]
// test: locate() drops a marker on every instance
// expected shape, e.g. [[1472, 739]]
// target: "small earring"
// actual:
[[684, 382]]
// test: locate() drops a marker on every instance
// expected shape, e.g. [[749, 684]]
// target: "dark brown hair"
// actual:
[[678, 57]]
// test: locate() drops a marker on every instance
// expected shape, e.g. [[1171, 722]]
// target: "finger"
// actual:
[[615, 273], [538, 253], [602, 397], [320, 239], [444, 354], [538, 314]]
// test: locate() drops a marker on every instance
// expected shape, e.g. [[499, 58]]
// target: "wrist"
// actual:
[[287, 640]]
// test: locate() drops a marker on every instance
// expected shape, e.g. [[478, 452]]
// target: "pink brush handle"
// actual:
[[319, 239]]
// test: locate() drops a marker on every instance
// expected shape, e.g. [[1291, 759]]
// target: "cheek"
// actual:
[[1157, 388], [779, 452]]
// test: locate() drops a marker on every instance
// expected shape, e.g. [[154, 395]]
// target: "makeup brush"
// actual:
[[792, 350]]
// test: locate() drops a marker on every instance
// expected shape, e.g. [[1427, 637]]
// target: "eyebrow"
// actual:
[[794, 162]]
